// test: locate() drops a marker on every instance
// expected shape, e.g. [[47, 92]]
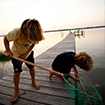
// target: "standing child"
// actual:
[[24, 39], [67, 60]]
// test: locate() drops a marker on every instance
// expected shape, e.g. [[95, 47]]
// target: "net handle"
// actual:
[[30, 63], [77, 75]]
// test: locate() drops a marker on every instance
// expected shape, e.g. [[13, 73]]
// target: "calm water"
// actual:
[[94, 44]]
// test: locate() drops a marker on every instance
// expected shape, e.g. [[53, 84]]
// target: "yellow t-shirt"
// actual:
[[20, 44]]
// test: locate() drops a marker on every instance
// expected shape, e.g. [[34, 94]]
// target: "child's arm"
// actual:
[[25, 54], [75, 71], [9, 54]]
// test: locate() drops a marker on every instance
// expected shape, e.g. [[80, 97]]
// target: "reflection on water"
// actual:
[[94, 44]]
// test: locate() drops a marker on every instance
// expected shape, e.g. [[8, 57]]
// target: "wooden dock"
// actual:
[[51, 92]]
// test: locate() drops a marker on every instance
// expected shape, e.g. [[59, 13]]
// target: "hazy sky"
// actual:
[[52, 14]]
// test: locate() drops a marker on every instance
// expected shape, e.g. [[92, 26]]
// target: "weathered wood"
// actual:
[[5, 100], [51, 92], [36, 97], [43, 90], [42, 83]]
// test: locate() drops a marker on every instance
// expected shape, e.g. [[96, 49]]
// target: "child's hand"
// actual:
[[9, 54], [77, 75], [50, 75], [22, 57]]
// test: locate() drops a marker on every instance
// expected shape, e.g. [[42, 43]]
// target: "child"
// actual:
[[24, 39], [67, 60]]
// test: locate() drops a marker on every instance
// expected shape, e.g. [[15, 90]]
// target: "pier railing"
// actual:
[[70, 29]]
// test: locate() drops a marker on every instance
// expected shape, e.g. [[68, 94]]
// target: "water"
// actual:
[[94, 44]]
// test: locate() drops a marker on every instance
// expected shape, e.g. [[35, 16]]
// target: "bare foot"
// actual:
[[36, 85], [15, 96]]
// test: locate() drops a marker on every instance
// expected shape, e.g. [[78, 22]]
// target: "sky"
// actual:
[[52, 14]]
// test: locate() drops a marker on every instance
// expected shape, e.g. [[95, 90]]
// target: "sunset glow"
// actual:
[[52, 14]]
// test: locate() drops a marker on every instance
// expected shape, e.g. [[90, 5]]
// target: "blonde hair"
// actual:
[[84, 61], [31, 29]]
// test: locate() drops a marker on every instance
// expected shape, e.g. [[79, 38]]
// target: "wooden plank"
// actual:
[[44, 61], [43, 89], [36, 97], [39, 77], [58, 51], [5, 100], [42, 83]]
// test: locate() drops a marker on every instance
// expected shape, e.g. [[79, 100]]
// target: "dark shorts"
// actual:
[[18, 67]]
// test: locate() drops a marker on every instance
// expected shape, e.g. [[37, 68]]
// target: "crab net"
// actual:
[[78, 96]]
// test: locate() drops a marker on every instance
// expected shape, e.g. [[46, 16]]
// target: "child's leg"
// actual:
[[16, 78], [16, 83], [75, 71], [32, 70], [34, 83]]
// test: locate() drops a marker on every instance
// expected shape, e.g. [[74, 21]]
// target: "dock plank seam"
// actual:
[[34, 92], [30, 84], [25, 99]]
